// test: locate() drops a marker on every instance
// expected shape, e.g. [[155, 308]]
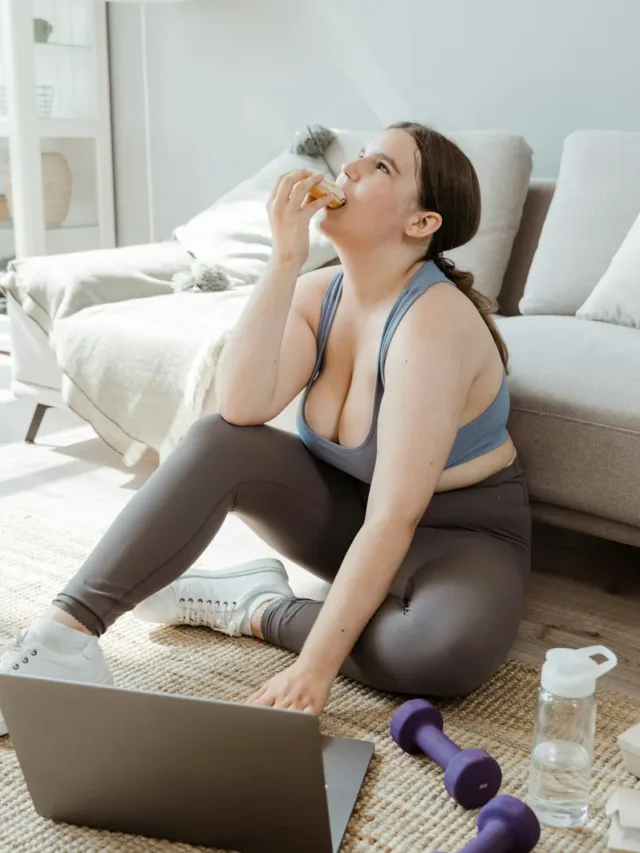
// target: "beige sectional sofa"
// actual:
[[575, 388]]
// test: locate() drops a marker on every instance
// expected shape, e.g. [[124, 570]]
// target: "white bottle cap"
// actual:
[[572, 673]]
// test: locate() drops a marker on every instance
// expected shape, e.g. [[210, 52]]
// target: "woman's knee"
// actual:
[[462, 618], [212, 431], [454, 667], [419, 658], [451, 670], [456, 654]]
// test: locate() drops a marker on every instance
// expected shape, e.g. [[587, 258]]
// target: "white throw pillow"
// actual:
[[503, 162], [616, 297], [234, 234], [596, 200]]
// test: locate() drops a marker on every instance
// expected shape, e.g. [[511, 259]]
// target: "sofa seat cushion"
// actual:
[[576, 412]]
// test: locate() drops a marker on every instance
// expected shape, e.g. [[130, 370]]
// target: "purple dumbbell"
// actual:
[[471, 776], [505, 825]]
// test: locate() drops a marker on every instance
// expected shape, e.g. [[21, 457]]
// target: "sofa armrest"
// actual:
[[525, 244], [51, 287]]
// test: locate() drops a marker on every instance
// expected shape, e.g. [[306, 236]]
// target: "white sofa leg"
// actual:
[[36, 420]]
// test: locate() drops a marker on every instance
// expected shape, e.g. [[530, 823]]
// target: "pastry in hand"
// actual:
[[327, 188]]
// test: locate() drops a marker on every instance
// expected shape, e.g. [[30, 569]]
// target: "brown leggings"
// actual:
[[455, 604]]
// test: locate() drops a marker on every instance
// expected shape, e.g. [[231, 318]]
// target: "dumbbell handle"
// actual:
[[494, 838], [436, 744]]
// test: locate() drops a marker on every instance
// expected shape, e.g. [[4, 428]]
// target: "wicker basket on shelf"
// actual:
[[5, 214], [57, 185]]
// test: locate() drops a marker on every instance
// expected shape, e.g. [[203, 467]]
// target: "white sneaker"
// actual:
[[224, 601], [50, 650]]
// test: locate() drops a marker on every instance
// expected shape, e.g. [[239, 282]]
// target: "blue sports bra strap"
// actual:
[[327, 315], [428, 275], [393, 321]]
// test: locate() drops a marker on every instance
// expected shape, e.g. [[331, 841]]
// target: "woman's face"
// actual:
[[382, 194]]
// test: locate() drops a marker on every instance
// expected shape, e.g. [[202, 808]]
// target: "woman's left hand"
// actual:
[[296, 688]]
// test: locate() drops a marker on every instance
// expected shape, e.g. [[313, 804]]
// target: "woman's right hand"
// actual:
[[290, 210]]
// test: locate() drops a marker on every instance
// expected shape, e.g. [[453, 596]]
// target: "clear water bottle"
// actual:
[[564, 733]]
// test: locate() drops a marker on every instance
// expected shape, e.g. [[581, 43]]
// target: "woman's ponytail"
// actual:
[[464, 282]]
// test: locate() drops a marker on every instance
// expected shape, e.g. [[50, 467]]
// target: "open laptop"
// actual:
[[200, 771]]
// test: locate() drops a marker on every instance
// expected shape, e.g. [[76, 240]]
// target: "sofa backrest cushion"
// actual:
[[596, 201], [616, 297], [525, 244]]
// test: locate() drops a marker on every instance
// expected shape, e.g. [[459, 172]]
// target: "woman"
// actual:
[[402, 488]]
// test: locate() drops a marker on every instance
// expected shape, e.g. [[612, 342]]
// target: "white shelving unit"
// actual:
[[54, 101]]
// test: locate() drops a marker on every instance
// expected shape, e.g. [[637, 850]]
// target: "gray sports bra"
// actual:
[[480, 436]]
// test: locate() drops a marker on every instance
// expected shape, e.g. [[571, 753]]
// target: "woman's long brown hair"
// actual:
[[448, 185]]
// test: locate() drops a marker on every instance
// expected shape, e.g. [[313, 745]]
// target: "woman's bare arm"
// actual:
[[271, 353]]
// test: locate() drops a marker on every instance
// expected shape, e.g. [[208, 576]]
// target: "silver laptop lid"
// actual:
[[185, 769]]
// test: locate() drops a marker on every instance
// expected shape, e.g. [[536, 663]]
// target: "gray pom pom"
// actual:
[[312, 141], [202, 278], [210, 278]]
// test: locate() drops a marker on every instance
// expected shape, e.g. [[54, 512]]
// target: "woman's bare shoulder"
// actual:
[[443, 307], [445, 314]]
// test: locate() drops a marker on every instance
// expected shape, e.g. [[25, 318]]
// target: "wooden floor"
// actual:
[[583, 591]]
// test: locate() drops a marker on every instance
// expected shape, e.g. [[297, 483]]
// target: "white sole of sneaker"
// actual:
[[254, 567]]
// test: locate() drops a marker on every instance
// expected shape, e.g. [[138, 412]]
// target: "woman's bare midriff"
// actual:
[[476, 470]]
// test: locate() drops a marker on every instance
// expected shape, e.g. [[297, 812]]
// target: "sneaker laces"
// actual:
[[205, 611], [13, 653]]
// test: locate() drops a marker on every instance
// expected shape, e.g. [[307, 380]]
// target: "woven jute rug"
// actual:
[[403, 805]]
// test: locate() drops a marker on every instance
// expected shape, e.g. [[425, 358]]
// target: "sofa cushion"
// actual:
[[534, 213], [52, 287], [596, 201], [503, 164], [616, 297], [576, 412], [141, 371], [234, 235]]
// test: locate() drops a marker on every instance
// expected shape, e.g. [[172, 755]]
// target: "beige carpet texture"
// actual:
[[403, 806]]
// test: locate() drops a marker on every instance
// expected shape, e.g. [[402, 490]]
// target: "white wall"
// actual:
[[231, 80]]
